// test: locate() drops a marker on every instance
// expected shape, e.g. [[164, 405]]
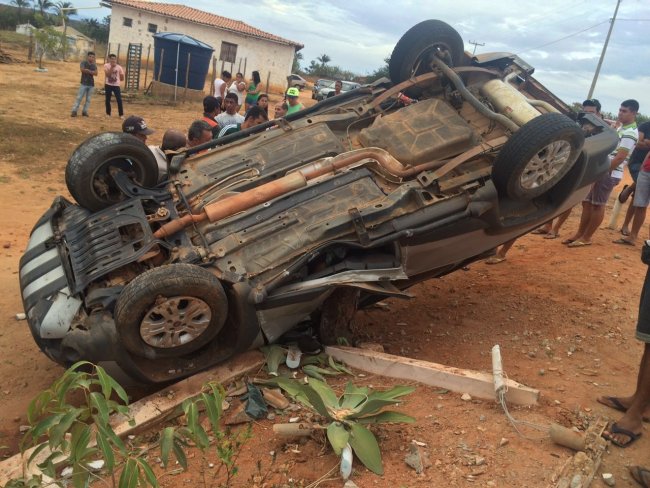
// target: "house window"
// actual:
[[228, 52], [153, 28], [126, 22]]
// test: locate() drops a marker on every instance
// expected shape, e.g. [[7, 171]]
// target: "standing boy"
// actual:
[[88, 70], [114, 77]]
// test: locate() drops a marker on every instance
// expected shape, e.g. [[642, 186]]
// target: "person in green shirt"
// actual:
[[253, 91], [293, 102]]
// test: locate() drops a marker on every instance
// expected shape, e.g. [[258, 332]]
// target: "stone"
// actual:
[[608, 479], [466, 397], [503, 442], [415, 459]]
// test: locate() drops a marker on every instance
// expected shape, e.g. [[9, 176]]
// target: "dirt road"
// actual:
[[564, 319]]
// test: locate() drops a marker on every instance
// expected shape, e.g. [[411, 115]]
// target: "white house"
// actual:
[[78, 44], [236, 44], [25, 29]]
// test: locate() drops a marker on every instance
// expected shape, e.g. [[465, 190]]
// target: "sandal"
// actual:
[[567, 241], [641, 475], [578, 244], [625, 242], [551, 235], [615, 429], [615, 403], [539, 231], [494, 260]]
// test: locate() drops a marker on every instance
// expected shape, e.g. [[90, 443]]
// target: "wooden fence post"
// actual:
[[162, 54], [268, 87], [118, 52], [214, 76], [108, 51], [187, 75], [146, 68], [239, 67], [245, 61]]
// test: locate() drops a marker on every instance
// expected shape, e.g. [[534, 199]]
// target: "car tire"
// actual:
[[87, 172], [537, 156], [151, 312], [419, 42]]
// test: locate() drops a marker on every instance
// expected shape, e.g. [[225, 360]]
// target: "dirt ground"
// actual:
[[564, 319]]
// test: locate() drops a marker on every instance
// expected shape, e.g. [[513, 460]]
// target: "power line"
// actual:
[[565, 37], [476, 44]]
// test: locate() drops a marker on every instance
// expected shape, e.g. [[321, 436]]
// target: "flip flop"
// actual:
[[641, 475], [539, 231], [494, 260], [615, 429], [578, 244], [625, 232], [624, 242], [615, 403], [551, 235], [567, 241]]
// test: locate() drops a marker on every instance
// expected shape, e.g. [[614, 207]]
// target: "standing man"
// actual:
[[221, 85], [593, 206], [211, 108], [634, 165], [230, 116], [114, 77], [88, 70], [238, 87], [636, 407], [292, 101], [639, 205]]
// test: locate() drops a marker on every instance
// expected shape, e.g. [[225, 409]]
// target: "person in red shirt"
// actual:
[[211, 108]]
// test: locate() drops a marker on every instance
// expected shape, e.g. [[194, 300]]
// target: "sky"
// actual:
[[358, 35]]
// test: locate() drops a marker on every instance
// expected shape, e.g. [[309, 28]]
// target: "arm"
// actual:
[[621, 154], [258, 89], [121, 74], [644, 141]]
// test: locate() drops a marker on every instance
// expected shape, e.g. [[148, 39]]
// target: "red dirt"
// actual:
[[564, 319]]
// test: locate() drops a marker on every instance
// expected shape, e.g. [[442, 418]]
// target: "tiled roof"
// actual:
[[181, 12]]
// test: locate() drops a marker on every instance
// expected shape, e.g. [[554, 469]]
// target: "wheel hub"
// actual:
[[175, 321], [546, 164]]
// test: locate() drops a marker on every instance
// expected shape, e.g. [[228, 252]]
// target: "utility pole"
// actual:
[[477, 44], [602, 54], [65, 27]]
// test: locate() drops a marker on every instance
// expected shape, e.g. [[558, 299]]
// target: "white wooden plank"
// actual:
[[477, 384]]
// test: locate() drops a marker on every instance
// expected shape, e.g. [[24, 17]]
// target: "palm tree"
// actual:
[[64, 10], [21, 4], [44, 5], [324, 59]]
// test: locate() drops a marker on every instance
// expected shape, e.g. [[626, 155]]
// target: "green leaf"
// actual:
[[129, 476], [107, 451], [315, 399], [166, 444], [108, 384], [79, 440], [274, 356], [340, 367], [108, 432], [387, 416], [379, 399], [100, 404], [309, 371], [293, 388], [326, 394], [148, 472], [180, 454], [211, 410], [317, 369], [365, 446], [58, 431], [338, 436], [35, 452], [44, 425], [353, 396]]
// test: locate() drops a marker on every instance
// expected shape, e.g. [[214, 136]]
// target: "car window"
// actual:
[[348, 85]]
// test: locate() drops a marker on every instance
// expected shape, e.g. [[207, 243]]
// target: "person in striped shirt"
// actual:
[[593, 206]]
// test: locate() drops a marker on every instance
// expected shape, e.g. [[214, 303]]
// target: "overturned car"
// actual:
[[305, 218]]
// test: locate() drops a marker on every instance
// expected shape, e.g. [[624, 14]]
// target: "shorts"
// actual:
[[642, 190], [601, 190], [643, 323]]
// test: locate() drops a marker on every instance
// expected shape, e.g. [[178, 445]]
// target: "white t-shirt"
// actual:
[[217, 88], [240, 94], [628, 136], [224, 119]]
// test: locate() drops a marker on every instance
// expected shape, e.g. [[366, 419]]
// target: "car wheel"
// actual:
[[87, 174], [537, 156], [336, 316], [170, 311], [412, 53]]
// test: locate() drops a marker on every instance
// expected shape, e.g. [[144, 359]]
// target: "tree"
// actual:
[[324, 59], [47, 42], [295, 68], [382, 72], [64, 10], [21, 4], [44, 5]]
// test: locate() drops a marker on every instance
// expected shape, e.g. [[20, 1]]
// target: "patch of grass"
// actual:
[[13, 38], [4, 179], [39, 154]]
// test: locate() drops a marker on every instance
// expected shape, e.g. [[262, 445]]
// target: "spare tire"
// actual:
[[87, 174], [414, 49], [537, 156]]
